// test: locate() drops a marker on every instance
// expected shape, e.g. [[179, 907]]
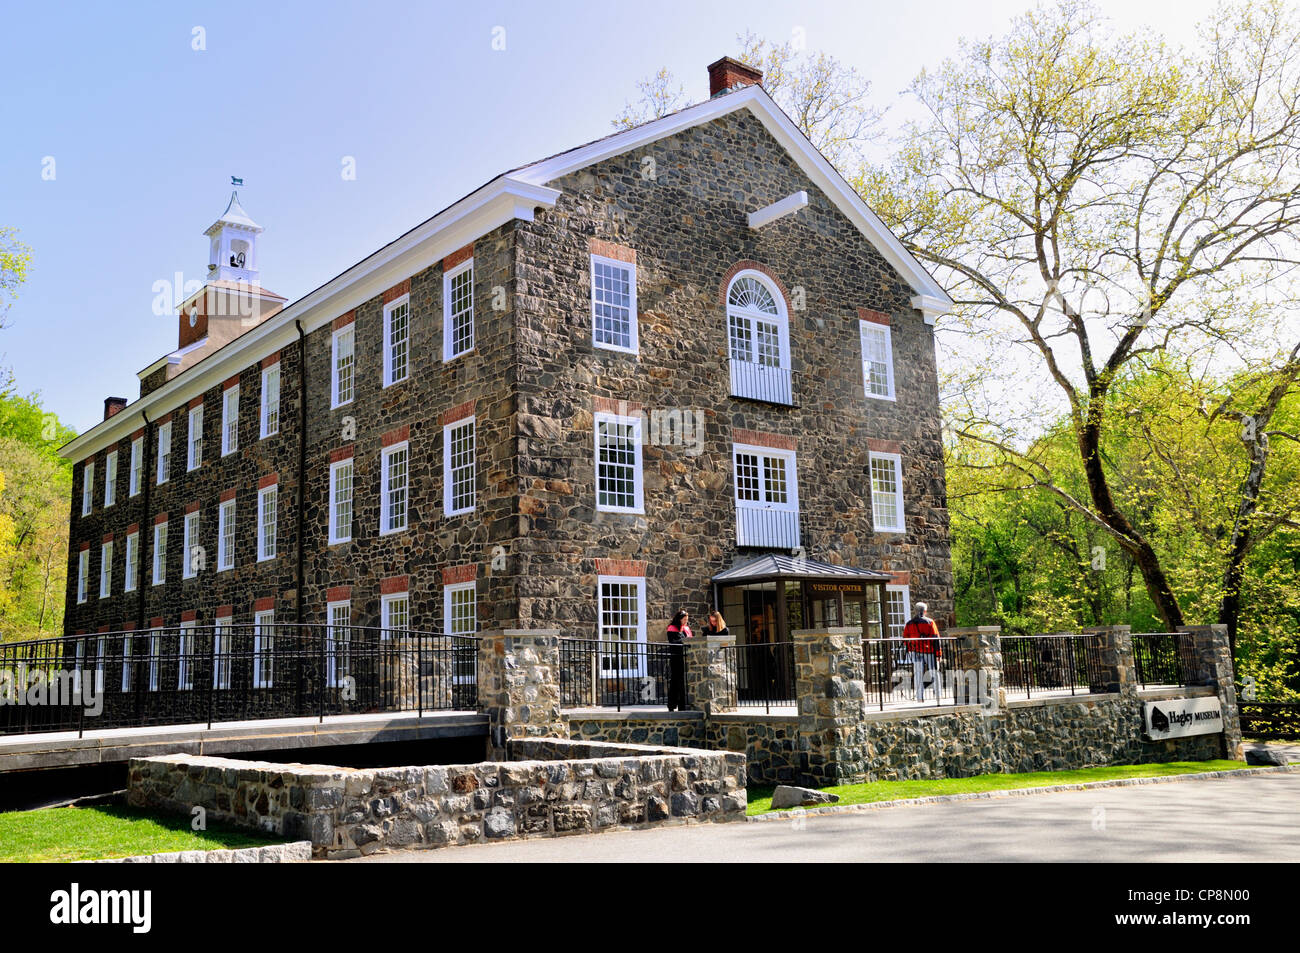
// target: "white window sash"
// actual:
[[87, 488], [195, 443], [638, 476], [634, 663], [389, 350], [110, 479], [449, 503], [221, 642], [190, 539], [83, 569], [885, 339], [338, 399], [267, 499], [159, 550], [230, 420], [898, 523], [789, 460], [633, 330], [164, 452], [226, 536], [105, 570], [387, 622], [264, 649], [386, 487], [131, 570], [338, 646], [337, 532], [270, 401], [449, 316], [137, 466]]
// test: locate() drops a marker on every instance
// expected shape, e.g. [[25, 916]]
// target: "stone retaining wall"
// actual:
[[1041, 734], [556, 787]]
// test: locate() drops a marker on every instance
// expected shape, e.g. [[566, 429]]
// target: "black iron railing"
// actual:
[[1162, 658], [1051, 664], [189, 674], [613, 674], [763, 674], [898, 673]]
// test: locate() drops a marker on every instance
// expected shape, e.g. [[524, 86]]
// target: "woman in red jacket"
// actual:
[[679, 630]]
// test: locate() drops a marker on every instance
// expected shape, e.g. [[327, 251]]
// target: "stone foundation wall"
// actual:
[[557, 787], [769, 742], [1041, 734]]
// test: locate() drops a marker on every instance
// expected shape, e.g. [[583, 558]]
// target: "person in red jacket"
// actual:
[[921, 634]]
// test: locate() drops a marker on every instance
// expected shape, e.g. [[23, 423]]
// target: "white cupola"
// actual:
[[233, 254]]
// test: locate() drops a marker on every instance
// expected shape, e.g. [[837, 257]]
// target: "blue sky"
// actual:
[[145, 131]]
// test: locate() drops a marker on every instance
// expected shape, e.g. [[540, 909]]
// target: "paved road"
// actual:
[[1231, 819]]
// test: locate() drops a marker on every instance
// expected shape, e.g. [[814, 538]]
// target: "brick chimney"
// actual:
[[112, 405], [727, 74]]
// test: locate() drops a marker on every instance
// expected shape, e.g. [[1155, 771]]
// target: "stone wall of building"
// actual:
[[555, 787], [688, 230]]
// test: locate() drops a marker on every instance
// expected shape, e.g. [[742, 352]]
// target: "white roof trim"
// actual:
[[770, 213], [805, 154], [503, 199]]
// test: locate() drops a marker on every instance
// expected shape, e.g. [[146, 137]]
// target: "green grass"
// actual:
[[760, 798], [61, 834]]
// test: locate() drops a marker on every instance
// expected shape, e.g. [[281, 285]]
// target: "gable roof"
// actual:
[[930, 298], [514, 194]]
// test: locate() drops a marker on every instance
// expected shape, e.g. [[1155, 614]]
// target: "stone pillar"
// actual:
[[518, 685], [711, 674], [1117, 672], [1210, 658], [979, 666], [830, 686]]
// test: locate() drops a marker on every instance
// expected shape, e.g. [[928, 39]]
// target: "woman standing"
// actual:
[[716, 624], [679, 630]]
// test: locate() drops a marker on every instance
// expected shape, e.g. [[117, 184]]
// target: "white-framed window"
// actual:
[[78, 666], [131, 571], [195, 458], [458, 472], [230, 420], [767, 496], [110, 479], [226, 536], [460, 608], [105, 570], [887, 492], [758, 331], [271, 400], [159, 553], [264, 648], [83, 572], [155, 654], [338, 642], [185, 652], [613, 305], [87, 487], [189, 565], [222, 634], [877, 361], [341, 501], [164, 452], [395, 613], [460, 618], [458, 311], [342, 367], [898, 609], [128, 669], [397, 340], [393, 498], [621, 619], [137, 466], [619, 485], [266, 508], [101, 647]]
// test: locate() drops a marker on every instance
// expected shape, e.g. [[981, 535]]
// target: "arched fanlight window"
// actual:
[[756, 322]]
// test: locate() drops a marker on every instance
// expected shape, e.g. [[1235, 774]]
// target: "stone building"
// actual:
[[569, 400]]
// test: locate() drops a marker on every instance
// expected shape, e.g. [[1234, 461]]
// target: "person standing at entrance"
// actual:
[[716, 624], [922, 633], [679, 630]]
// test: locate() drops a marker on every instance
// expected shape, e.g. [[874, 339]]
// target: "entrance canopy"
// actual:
[[768, 597]]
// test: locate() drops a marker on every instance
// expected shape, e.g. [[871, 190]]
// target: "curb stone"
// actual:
[[783, 815], [291, 853]]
